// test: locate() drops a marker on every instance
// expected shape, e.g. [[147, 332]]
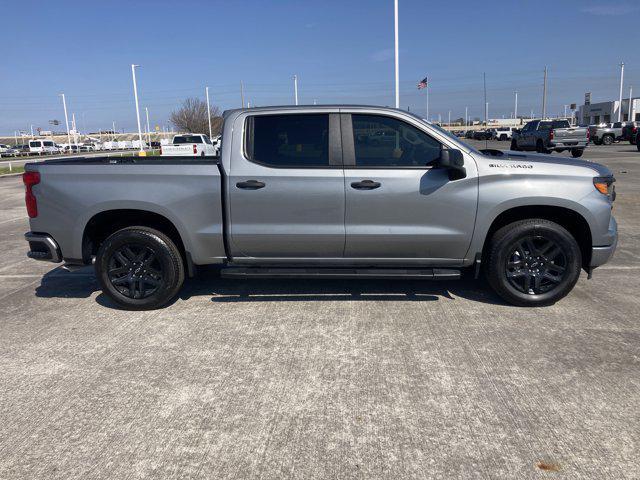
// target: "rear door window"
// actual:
[[288, 141], [560, 124]]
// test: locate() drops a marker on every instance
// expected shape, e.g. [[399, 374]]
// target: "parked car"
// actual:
[[299, 192], [504, 133], [630, 131], [7, 151], [545, 136], [125, 145], [22, 149], [200, 145], [42, 147], [468, 134], [109, 145], [607, 133], [637, 142], [482, 135]]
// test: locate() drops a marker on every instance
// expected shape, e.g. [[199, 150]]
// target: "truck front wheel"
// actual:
[[533, 262], [139, 268]]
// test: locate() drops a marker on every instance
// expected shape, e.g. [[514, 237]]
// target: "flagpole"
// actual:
[[427, 102]]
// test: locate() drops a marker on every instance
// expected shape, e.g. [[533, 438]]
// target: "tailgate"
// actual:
[[573, 134], [177, 150]]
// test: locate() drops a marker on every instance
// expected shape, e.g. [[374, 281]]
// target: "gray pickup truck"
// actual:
[[606, 133], [544, 136], [325, 192]]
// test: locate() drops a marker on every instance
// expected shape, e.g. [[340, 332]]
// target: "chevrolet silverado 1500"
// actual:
[[325, 192]]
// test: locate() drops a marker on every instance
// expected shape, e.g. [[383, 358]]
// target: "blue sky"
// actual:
[[342, 52]]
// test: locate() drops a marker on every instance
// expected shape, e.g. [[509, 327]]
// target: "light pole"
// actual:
[[515, 109], [295, 88], [630, 102], [148, 128], [206, 89], [621, 83], [397, 61], [66, 118], [466, 117], [241, 94], [449, 118], [135, 94], [544, 95]]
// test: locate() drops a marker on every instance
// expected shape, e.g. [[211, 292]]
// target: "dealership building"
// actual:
[[607, 112]]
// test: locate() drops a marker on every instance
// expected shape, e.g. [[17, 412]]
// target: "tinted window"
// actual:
[[560, 124], [617, 125], [48, 144], [544, 126], [187, 139], [386, 142], [289, 140]]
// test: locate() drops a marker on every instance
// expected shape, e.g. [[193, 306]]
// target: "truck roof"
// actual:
[[312, 107]]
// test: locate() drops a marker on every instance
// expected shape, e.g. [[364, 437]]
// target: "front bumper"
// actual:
[[601, 255], [43, 247]]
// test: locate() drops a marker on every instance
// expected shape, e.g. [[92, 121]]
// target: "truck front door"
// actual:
[[400, 207], [286, 187]]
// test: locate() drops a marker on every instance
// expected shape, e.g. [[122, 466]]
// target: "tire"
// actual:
[[139, 268], [503, 138], [540, 147], [514, 145], [577, 152], [607, 140], [552, 271]]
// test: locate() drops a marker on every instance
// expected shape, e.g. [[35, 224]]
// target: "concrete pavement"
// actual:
[[320, 379]]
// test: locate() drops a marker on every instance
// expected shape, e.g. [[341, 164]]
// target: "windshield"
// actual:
[[445, 132]]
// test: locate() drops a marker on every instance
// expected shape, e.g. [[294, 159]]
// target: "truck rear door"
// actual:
[[399, 205], [286, 187]]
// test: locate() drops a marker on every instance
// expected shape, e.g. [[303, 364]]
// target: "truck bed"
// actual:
[[187, 191]]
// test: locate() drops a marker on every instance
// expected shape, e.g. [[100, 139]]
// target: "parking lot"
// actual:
[[321, 378]]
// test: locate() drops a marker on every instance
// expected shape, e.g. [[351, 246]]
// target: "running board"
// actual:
[[336, 273]]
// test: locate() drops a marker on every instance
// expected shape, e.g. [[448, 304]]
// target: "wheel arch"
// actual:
[[103, 224], [570, 219]]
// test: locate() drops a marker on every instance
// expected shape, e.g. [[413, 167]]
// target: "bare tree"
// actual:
[[192, 117]]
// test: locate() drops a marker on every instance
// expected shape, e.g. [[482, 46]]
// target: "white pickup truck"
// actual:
[[191, 145]]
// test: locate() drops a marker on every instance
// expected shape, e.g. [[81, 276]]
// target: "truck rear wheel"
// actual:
[[139, 268], [540, 147], [607, 139], [533, 262], [577, 152]]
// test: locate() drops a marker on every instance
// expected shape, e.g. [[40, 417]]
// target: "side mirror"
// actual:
[[453, 161]]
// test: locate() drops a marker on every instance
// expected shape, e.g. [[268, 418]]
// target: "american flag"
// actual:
[[422, 84]]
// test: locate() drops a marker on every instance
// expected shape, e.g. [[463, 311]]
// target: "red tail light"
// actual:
[[195, 149], [550, 134], [30, 179], [160, 149], [635, 130]]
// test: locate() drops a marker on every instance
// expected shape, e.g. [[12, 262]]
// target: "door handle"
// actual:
[[365, 185], [250, 185]]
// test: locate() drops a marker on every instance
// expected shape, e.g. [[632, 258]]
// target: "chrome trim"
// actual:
[[47, 241]]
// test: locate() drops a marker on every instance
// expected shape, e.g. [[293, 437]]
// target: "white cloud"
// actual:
[[612, 9], [382, 55]]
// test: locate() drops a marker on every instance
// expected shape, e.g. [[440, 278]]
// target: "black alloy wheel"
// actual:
[[535, 265], [135, 271]]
